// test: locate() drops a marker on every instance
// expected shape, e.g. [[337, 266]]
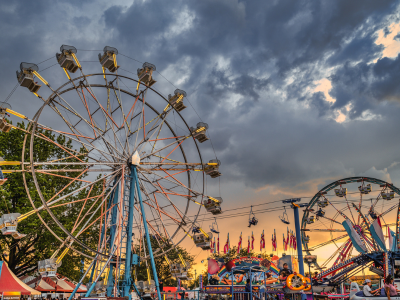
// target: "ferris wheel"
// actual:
[[129, 168], [348, 205]]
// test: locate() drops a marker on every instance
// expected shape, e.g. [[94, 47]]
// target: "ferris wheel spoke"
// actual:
[[114, 174], [93, 127], [388, 210], [328, 242], [167, 179], [143, 188]]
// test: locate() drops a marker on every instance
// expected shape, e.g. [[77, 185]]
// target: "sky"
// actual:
[[296, 94]]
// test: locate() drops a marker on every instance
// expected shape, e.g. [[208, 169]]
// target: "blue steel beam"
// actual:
[[153, 265]]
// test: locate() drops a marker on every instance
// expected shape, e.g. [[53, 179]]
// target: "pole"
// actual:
[[298, 239], [128, 263], [114, 212], [309, 271], [232, 282], [153, 265]]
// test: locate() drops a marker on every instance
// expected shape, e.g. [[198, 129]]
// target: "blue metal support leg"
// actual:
[[153, 265], [128, 263], [114, 211], [298, 240]]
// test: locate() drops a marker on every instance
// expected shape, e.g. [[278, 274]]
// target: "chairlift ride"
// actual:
[[214, 227], [320, 213], [252, 218], [284, 218]]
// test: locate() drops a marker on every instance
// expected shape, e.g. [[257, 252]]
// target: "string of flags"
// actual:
[[289, 242]]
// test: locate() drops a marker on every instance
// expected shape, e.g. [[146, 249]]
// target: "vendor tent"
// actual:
[[10, 283]]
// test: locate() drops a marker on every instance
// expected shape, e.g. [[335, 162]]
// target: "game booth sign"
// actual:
[[234, 273]]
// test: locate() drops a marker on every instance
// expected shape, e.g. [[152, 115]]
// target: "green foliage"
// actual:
[[163, 271], [22, 255]]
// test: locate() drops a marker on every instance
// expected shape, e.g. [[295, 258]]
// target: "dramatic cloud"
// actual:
[[253, 72]]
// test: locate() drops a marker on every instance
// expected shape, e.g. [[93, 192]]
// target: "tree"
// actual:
[[163, 269], [23, 255]]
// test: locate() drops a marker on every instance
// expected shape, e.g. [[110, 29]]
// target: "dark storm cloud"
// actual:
[[249, 67], [370, 84]]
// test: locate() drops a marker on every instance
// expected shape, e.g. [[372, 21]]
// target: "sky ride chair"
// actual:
[[306, 238], [214, 226], [342, 192], [373, 214], [176, 101], [108, 59], [388, 195], [25, 76], [199, 133], [213, 205], [252, 218], [66, 58], [4, 126], [145, 74], [284, 218], [320, 213], [8, 225], [48, 267], [212, 168], [365, 189]]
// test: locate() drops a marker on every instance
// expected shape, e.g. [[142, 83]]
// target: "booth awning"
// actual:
[[10, 283]]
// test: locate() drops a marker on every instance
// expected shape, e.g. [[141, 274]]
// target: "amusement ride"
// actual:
[[132, 171]]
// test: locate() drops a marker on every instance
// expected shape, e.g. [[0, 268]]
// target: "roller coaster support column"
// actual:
[[153, 265], [298, 232], [298, 238]]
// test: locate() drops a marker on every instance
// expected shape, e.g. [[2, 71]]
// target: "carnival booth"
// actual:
[[10, 286], [58, 286]]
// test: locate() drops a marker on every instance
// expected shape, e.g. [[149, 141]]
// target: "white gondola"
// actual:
[[388, 195], [176, 101], [25, 76], [213, 205], [108, 59], [202, 241], [199, 132], [365, 189], [322, 203], [307, 239], [4, 126], [341, 192], [99, 287], [179, 271], [8, 225], [48, 267], [310, 220], [145, 286], [145, 74], [213, 170], [320, 213], [65, 58]]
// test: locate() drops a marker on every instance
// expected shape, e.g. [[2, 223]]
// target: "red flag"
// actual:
[[248, 245], [274, 244], [226, 247], [262, 241], [252, 241], [239, 244], [218, 244]]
